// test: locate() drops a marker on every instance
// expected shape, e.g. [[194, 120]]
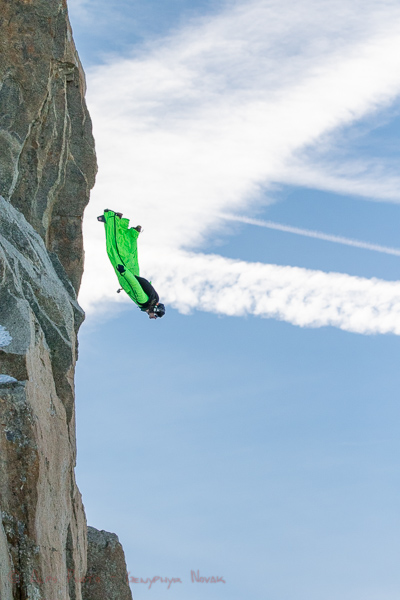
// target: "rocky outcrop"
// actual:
[[47, 168], [106, 576]]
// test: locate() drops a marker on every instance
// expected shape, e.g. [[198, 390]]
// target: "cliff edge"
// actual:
[[47, 168]]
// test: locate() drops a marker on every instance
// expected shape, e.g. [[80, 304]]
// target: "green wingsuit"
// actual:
[[122, 250]]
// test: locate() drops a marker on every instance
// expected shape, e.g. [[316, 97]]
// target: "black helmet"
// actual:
[[159, 310]]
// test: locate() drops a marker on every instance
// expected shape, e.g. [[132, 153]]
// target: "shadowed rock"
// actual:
[[106, 577]]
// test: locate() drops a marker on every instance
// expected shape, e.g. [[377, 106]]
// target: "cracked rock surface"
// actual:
[[47, 158]]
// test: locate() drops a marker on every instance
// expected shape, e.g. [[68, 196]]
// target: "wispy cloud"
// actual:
[[79, 7], [194, 281], [299, 296], [319, 235], [373, 179], [207, 119]]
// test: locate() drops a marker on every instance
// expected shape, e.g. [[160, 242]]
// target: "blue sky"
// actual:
[[251, 433]]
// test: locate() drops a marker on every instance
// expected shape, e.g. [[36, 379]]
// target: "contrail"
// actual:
[[314, 234]]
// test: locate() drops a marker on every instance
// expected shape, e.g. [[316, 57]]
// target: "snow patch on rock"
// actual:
[[5, 337], [7, 379]]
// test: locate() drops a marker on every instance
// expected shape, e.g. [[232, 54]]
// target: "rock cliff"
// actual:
[[106, 577], [47, 168]]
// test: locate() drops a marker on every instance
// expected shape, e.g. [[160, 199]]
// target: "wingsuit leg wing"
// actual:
[[121, 242]]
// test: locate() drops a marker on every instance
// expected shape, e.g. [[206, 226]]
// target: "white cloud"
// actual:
[[299, 296], [203, 121], [303, 297], [374, 179]]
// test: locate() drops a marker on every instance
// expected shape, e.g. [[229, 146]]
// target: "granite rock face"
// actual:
[[43, 519], [47, 168], [47, 159], [106, 577]]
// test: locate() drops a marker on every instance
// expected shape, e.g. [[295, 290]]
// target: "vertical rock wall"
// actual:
[[44, 541], [47, 168], [47, 159]]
